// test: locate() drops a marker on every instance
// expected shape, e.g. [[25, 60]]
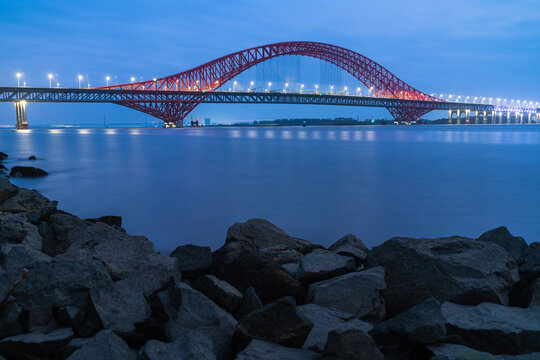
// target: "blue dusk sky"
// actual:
[[470, 47]]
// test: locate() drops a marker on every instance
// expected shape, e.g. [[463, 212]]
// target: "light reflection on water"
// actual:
[[319, 183]]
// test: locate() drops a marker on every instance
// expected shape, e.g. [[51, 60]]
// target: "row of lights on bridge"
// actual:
[[449, 97]]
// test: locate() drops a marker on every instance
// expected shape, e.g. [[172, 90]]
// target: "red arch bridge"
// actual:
[[173, 97]]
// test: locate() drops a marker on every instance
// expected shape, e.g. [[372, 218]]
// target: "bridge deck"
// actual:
[[14, 94]]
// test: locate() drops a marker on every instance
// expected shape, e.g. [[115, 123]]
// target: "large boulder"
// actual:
[[515, 246], [121, 253], [17, 229], [531, 266], [17, 256], [27, 171], [351, 344], [219, 291], [111, 220], [262, 350], [270, 239], [279, 323], [450, 269], [535, 297], [12, 319], [250, 302], [7, 189], [59, 283], [493, 328], [187, 347], [123, 309], [350, 245], [31, 202], [35, 345], [323, 264], [242, 265], [326, 320], [3, 155], [460, 352], [357, 293], [423, 323], [193, 260], [199, 315], [105, 345]]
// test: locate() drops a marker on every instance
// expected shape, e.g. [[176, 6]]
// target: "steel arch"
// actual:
[[212, 75]]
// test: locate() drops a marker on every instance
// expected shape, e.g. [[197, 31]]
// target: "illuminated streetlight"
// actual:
[[234, 86], [50, 80], [132, 79], [80, 78], [301, 87], [107, 78], [332, 89], [358, 91], [269, 84], [316, 87], [57, 84], [18, 75]]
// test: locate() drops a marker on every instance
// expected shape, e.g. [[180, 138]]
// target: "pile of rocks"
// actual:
[[83, 289]]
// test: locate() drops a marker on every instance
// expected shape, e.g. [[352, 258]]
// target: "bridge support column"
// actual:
[[477, 118], [493, 117], [499, 114], [508, 117], [467, 116], [521, 118], [20, 115], [528, 118], [484, 120], [458, 117], [450, 117]]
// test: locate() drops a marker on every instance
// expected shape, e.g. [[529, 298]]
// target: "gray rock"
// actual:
[[18, 256], [7, 189], [531, 266], [350, 245], [535, 298], [494, 328], [68, 316], [515, 246], [351, 345], [263, 234], [17, 229], [26, 171], [460, 352], [242, 266], [219, 291], [192, 346], [250, 302], [122, 254], [357, 293], [59, 283], [449, 269], [72, 346], [278, 322], [105, 345], [326, 320], [111, 220], [123, 309], [31, 202], [11, 319], [41, 319], [323, 264], [262, 350], [193, 260], [423, 323], [199, 314], [35, 345], [282, 254], [291, 268], [154, 276]]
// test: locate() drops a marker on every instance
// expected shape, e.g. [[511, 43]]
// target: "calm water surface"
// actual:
[[318, 183]]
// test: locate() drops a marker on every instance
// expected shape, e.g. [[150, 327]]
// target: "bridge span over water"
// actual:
[[159, 100], [173, 97]]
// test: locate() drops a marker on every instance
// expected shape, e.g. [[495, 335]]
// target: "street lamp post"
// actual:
[[18, 78], [50, 80], [316, 87], [269, 84], [80, 77], [107, 78], [286, 85], [301, 87], [234, 86]]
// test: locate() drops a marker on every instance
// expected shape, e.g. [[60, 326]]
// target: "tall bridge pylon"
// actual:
[[212, 75]]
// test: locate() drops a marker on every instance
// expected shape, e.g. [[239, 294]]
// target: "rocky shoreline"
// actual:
[[82, 289]]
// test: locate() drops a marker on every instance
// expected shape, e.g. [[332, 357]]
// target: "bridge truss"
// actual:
[[211, 76]]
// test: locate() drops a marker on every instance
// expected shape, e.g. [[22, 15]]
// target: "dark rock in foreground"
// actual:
[[193, 260], [110, 220], [515, 246], [32, 157], [27, 171], [3, 156], [454, 269], [261, 350], [35, 345], [279, 323], [351, 345]]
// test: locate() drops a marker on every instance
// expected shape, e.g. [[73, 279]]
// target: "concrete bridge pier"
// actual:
[[450, 117], [20, 114], [458, 120], [467, 116], [484, 120], [521, 118], [528, 118]]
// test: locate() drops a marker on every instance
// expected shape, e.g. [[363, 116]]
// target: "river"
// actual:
[[318, 183]]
